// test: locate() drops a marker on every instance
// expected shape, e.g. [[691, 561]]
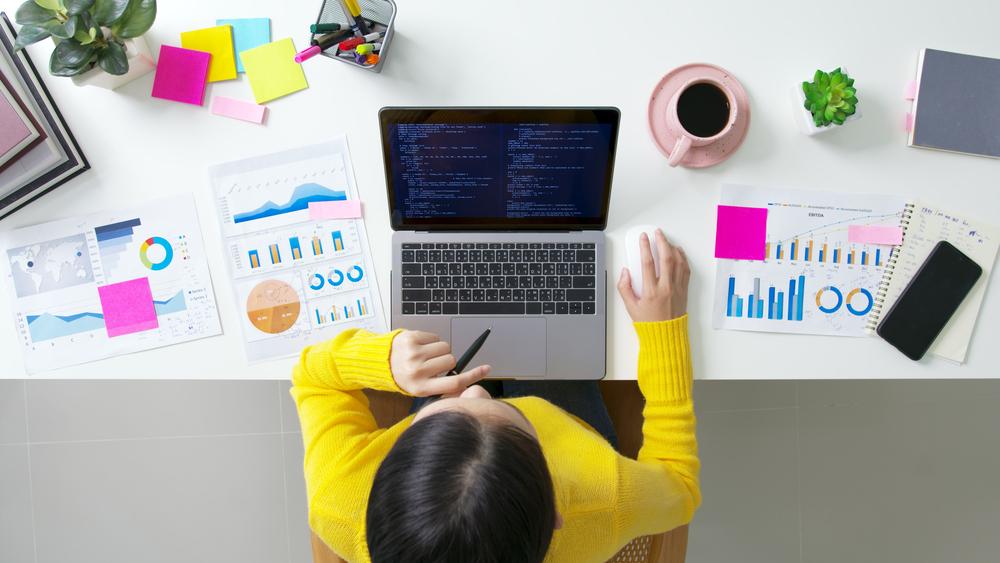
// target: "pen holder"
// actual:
[[381, 14]]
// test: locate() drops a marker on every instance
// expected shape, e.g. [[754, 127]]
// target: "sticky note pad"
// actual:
[[181, 75], [741, 233], [238, 109], [272, 70], [218, 41], [875, 234], [247, 34], [128, 307], [350, 209]]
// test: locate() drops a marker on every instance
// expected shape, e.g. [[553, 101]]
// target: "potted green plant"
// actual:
[[98, 42], [827, 102]]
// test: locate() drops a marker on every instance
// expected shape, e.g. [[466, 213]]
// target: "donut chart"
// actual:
[[819, 299], [863, 310], [273, 306], [355, 274], [156, 242]]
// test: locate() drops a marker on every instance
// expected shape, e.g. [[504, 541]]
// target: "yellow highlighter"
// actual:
[[353, 12]]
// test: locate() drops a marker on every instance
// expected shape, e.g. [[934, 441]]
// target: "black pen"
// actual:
[[469, 354]]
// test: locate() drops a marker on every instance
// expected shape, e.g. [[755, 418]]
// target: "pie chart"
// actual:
[[273, 306]]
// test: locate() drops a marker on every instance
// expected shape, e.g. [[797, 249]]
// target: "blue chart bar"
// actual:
[[878, 256], [801, 300], [776, 309], [732, 291], [116, 230]]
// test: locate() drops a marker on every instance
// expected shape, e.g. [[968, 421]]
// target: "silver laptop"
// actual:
[[498, 216]]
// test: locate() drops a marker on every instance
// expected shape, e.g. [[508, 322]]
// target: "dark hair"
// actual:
[[457, 488]]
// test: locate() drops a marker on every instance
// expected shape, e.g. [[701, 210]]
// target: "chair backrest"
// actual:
[[624, 402]]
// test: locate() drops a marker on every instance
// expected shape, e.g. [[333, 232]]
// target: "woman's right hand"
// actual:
[[665, 297], [420, 363]]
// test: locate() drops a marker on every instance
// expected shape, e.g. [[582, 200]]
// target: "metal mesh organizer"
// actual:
[[380, 13]]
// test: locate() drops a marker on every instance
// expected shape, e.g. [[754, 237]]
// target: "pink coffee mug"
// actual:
[[686, 139]]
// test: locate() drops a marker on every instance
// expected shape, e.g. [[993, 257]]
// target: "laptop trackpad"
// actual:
[[515, 347]]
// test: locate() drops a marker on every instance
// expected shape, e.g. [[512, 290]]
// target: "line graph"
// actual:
[[301, 197]]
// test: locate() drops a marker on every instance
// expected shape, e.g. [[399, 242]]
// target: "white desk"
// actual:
[[547, 53]]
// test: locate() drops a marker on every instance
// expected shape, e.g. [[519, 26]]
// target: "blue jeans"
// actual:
[[580, 398]]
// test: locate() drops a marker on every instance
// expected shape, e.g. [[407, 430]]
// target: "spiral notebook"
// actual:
[[924, 226]]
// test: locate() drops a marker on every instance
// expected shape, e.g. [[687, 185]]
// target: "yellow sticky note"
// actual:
[[272, 70], [219, 42]]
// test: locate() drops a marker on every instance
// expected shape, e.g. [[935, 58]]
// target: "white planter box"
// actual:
[[140, 63], [804, 117]]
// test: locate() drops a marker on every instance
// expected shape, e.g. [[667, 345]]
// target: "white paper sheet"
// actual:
[[297, 281], [814, 280], [54, 272]]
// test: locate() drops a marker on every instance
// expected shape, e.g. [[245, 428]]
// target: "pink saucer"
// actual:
[[664, 138]]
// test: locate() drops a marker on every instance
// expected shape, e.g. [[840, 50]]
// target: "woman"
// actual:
[[471, 478]]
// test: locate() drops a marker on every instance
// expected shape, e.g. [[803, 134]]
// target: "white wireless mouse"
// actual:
[[633, 255]]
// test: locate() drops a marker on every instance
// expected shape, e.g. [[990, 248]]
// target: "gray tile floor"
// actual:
[[810, 472]]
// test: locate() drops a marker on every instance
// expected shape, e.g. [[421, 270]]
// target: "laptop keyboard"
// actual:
[[463, 278]]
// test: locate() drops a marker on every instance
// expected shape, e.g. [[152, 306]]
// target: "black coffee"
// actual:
[[703, 109]]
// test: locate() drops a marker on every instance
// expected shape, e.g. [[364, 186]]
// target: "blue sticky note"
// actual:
[[247, 34]]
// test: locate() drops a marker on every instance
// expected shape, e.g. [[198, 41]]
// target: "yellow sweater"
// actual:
[[605, 499]]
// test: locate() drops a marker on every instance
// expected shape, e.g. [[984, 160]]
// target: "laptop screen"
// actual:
[[499, 168]]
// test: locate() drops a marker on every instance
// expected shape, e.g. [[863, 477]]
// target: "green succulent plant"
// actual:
[[86, 32], [831, 97]]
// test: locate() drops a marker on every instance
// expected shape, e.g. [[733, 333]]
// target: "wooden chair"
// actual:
[[625, 407]]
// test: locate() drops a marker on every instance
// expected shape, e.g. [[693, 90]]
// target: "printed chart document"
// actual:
[[298, 278], [813, 279], [112, 283]]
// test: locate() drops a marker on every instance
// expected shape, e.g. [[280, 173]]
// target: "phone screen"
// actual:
[[929, 300]]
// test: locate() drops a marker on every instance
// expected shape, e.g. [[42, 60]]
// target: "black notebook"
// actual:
[[957, 103], [51, 163]]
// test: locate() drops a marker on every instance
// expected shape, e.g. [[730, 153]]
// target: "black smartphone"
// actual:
[[929, 300]]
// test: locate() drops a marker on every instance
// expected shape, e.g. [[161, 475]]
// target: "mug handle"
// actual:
[[680, 149]]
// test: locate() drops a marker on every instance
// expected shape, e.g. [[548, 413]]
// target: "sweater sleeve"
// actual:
[[659, 490], [336, 421]]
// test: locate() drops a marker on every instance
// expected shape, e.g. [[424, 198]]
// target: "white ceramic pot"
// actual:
[[140, 63], [804, 117]]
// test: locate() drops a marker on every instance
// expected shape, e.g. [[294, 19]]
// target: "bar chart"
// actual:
[[289, 248], [341, 310], [779, 303], [825, 252]]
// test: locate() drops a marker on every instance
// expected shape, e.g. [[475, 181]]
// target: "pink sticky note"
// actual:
[[128, 307], [350, 209], [911, 90], [741, 232], [875, 234], [908, 122], [181, 75], [238, 109]]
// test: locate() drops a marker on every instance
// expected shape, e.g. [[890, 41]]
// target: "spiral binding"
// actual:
[[875, 316]]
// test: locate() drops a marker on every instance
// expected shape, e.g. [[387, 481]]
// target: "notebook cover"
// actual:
[[956, 106], [76, 164], [32, 124]]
